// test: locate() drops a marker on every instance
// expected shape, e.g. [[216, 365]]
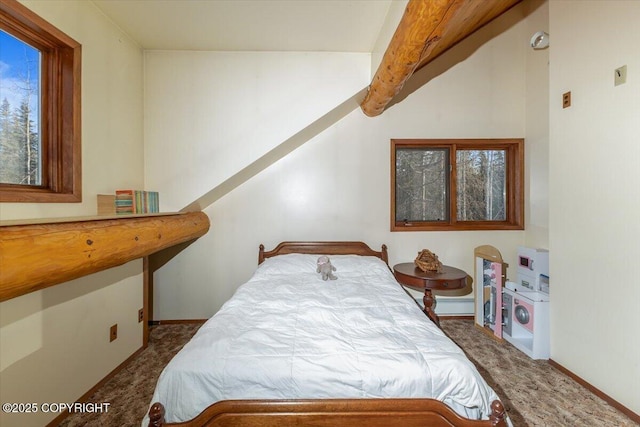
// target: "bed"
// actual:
[[290, 349]]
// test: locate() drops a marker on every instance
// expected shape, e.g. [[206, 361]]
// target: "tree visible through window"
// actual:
[[421, 179], [481, 185], [457, 184], [19, 112]]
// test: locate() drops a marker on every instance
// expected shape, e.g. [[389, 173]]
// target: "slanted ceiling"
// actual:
[[427, 29]]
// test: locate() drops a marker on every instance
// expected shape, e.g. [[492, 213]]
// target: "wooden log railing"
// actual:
[[36, 256]]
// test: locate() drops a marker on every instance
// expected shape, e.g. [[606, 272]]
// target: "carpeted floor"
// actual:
[[532, 391]]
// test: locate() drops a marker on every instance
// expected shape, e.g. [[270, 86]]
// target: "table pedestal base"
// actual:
[[429, 304]]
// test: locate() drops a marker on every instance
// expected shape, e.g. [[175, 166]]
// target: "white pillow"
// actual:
[[289, 263], [356, 263]]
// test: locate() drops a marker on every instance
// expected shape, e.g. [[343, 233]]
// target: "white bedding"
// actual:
[[286, 334]]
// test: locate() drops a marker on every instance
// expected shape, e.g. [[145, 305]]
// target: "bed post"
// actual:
[[384, 254], [497, 414], [156, 415]]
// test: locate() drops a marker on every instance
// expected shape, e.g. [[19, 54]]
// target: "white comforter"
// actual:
[[286, 334]]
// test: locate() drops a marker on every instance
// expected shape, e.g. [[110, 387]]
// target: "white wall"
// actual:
[[595, 194], [209, 114], [54, 343], [334, 187], [537, 130]]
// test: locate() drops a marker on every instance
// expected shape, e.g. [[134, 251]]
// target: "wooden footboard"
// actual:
[[330, 413]]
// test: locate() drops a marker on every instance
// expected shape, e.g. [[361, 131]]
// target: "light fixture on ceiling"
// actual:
[[540, 40]]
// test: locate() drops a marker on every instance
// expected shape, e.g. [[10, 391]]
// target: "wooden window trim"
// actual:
[[60, 131], [515, 185]]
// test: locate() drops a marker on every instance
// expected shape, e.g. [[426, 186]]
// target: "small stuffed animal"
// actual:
[[325, 268]]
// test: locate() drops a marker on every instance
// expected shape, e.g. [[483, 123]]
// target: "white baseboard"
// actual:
[[448, 306], [460, 306]]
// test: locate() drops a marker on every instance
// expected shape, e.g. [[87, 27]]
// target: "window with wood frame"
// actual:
[[457, 184], [39, 109]]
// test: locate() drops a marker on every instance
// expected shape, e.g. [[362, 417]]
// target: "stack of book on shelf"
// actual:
[[136, 202], [128, 202]]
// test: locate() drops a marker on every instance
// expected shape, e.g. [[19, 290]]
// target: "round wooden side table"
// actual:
[[409, 275]]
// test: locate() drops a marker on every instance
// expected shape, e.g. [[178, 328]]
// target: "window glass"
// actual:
[[421, 182], [20, 149], [481, 185]]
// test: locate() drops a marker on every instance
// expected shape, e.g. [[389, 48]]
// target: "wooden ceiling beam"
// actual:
[[427, 29]]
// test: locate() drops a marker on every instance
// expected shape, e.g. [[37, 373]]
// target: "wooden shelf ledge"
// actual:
[[38, 255]]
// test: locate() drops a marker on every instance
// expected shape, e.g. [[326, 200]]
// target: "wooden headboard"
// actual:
[[323, 248]]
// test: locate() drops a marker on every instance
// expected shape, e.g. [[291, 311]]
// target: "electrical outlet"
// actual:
[[566, 99], [113, 332], [620, 75], [140, 315]]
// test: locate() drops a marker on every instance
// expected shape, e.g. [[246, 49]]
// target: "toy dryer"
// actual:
[[526, 304]]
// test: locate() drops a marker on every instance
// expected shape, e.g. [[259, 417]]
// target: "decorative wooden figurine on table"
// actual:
[[428, 261]]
